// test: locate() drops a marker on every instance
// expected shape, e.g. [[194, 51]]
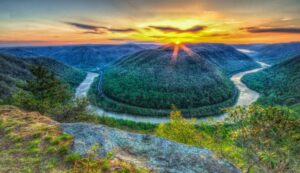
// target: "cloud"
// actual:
[[193, 29], [83, 26], [94, 29], [121, 30], [94, 32], [216, 35], [120, 39], [264, 30]]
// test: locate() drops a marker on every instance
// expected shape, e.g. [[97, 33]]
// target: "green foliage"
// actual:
[[216, 137], [44, 93], [112, 122], [279, 84], [296, 108], [75, 108], [270, 137], [45, 86], [179, 129], [254, 138], [111, 105], [63, 149], [72, 158], [139, 88]]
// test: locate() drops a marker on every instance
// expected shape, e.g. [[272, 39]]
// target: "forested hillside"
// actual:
[[278, 84], [151, 79], [14, 71]]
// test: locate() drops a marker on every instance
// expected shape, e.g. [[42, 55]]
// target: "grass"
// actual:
[[25, 144], [296, 108], [122, 124], [32, 142], [92, 163]]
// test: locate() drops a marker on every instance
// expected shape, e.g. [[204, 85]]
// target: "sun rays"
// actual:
[[177, 47], [175, 52]]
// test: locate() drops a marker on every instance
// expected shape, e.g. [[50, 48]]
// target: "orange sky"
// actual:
[[115, 21]]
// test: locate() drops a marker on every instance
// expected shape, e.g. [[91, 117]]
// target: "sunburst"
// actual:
[[177, 46]]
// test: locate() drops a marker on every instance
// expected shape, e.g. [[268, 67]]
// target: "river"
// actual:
[[246, 97]]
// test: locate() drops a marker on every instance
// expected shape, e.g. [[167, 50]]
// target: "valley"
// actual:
[[120, 110], [144, 83]]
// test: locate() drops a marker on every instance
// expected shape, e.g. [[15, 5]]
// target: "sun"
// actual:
[[177, 42], [177, 46]]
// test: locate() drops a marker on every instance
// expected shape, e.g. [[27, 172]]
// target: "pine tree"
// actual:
[[44, 93]]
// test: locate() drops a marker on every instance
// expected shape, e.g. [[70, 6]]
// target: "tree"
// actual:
[[270, 137], [44, 93], [179, 129]]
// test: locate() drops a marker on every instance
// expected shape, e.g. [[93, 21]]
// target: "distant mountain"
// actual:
[[18, 51], [276, 53], [278, 84], [81, 57], [87, 57], [251, 47], [150, 81], [273, 53], [226, 57], [14, 70]]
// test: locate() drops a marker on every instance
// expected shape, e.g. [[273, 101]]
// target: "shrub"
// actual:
[[72, 158]]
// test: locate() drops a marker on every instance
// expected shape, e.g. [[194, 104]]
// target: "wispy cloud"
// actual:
[[94, 29], [265, 30], [193, 29], [83, 26], [216, 35], [94, 32], [121, 30]]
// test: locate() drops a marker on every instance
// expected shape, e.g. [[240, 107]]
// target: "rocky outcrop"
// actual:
[[156, 153]]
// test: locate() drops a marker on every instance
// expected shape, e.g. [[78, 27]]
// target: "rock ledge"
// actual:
[[156, 153]]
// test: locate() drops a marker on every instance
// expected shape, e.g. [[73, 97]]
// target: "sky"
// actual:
[[59, 22]]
